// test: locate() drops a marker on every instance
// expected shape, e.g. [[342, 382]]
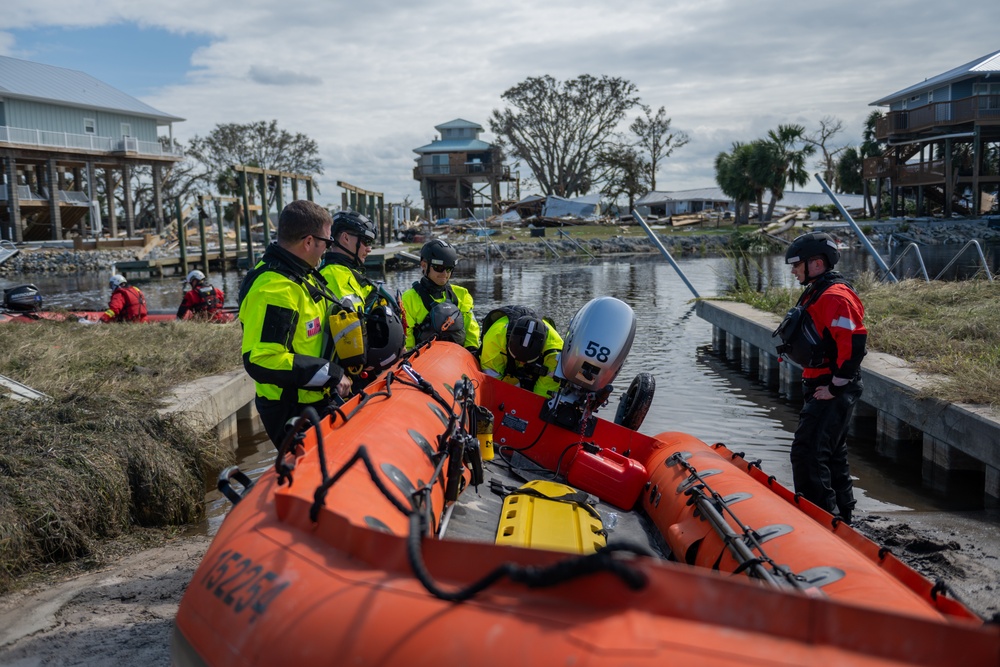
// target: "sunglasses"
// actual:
[[329, 242], [443, 269], [363, 239]]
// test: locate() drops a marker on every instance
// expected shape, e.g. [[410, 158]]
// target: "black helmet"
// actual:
[[526, 338], [439, 254], [355, 223], [810, 245], [385, 339], [445, 321]]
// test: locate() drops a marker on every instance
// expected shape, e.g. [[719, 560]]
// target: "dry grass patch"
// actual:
[[98, 462], [945, 328]]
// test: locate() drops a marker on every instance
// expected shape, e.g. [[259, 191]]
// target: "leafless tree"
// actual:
[[655, 137], [829, 127], [559, 128]]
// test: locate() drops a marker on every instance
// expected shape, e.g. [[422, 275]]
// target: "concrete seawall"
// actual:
[[217, 404], [952, 443]]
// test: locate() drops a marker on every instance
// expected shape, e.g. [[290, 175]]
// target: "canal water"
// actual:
[[696, 391]]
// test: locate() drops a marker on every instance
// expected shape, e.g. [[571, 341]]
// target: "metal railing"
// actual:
[[967, 109], [87, 142], [496, 170], [920, 259]]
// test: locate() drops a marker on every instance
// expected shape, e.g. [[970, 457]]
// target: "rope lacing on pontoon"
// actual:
[[745, 546], [455, 445]]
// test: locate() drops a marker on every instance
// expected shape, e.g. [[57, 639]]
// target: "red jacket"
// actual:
[[838, 316], [128, 304], [201, 300]]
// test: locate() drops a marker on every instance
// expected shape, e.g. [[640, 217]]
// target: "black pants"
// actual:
[[819, 451], [274, 415]]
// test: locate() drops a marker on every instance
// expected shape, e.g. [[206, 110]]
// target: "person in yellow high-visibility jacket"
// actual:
[[525, 353], [283, 307], [434, 307], [344, 271]]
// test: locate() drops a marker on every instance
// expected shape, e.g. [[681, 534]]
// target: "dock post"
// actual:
[[991, 497], [945, 469], [222, 234], [265, 219], [790, 381], [244, 189], [897, 440], [749, 359], [718, 334], [204, 241], [733, 345], [767, 368], [181, 236]]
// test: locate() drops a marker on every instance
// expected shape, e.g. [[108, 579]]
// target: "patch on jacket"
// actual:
[[312, 327]]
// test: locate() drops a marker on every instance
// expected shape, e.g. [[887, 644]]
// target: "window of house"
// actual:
[[89, 126], [930, 96], [126, 129]]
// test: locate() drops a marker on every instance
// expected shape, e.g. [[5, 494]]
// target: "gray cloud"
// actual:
[[369, 81], [273, 76]]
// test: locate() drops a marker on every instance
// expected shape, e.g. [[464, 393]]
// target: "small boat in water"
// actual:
[[445, 517], [24, 304]]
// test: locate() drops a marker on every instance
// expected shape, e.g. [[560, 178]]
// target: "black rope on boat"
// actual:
[[798, 496], [319, 497], [883, 552], [754, 464], [770, 480], [571, 568]]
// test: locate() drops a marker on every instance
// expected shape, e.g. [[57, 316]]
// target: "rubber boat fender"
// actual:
[[549, 515]]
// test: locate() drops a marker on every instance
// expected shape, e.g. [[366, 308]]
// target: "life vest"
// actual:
[[209, 302], [800, 340], [135, 305], [444, 320], [525, 374]]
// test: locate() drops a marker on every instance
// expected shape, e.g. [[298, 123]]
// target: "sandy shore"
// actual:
[[123, 614]]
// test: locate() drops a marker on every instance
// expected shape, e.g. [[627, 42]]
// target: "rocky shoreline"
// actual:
[[922, 232]]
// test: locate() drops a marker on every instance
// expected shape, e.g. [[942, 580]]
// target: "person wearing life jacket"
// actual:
[[202, 299], [434, 307], [284, 303], [829, 343], [127, 304], [521, 348], [379, 314]]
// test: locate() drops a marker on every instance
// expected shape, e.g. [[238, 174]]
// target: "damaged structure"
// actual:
[[458, 171]]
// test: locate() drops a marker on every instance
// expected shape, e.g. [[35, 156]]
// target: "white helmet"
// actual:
[[196, 275], [117, 281]]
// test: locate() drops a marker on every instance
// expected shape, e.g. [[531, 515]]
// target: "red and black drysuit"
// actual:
[[128, 304], [201, 301], [836, 339]]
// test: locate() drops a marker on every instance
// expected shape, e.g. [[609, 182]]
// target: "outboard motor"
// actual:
[[599, 339], [23, 298]]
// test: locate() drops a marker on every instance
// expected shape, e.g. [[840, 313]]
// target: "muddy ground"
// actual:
[[123, 614]]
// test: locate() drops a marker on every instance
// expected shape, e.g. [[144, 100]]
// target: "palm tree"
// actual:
[[745, 174], [791, 161]]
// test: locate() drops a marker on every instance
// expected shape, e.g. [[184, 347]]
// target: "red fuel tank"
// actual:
[[613, 478]]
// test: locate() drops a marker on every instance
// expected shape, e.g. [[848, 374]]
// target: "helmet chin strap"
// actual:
[[349, 252]]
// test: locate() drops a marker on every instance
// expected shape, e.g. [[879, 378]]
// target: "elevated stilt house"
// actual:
[[943, 137], [61, 130], [458, 167]]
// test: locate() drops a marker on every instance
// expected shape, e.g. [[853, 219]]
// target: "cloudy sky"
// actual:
[[370, 80]]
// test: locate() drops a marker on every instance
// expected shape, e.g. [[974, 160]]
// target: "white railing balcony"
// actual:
[[87, 142]]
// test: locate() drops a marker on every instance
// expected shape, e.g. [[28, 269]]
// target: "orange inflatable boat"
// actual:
[[382, 537]]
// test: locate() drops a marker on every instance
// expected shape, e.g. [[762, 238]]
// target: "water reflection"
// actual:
[[695, 391]]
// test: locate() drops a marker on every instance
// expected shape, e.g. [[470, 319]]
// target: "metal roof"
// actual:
[[788, 200], [987, 63], [453, 146], [22, 79], [698, 194], [458, 123]]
